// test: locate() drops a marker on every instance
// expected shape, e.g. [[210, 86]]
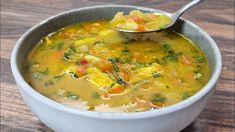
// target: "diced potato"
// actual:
[[138, 13], [83, 48], [47, 40], [153, 25], [71, 68], [92, 59], [148, 71], [130, 25], [99, 78], [118, 18], [86, 41]]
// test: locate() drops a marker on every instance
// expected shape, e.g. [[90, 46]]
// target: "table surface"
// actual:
[[215, 16]]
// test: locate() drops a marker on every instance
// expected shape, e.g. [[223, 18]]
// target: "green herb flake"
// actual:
[[74, 75], [198, 76], [166, 47], [140, 65], [120, 81], [112, 85], [156, 74], [59, 45], [116, 68], [126, 50], [95, 95], [72, 47], [158, 98], [91, 108], [185, 95], [199, 59], [48, 83], [69, 52], [40, 74], [67, 55], [58, 77], [114, 62], [72, 96], [172, 56]]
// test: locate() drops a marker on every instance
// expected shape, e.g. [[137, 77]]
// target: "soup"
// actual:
[[91, 66], [138, 21]]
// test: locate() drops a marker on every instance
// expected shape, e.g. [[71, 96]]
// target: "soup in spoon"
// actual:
[[140, 22]]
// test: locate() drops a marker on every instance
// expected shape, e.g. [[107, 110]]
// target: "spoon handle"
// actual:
[[178, 13]]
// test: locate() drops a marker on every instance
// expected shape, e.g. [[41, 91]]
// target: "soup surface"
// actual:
[[91, 66]]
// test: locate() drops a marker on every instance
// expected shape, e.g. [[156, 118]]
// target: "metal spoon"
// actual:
[[174, 17]]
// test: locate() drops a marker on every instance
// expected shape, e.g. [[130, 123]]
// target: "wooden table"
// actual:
[[214, 16]]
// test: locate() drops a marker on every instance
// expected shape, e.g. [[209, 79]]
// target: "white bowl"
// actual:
[[64, 118]]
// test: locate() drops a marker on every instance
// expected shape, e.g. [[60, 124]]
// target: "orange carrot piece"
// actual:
[[125, 75], [117, 90], [140, 28], [81, 71], [185, 60], [106, 67], [57, 54], [158, 104]]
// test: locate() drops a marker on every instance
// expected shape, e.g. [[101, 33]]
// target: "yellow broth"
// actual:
[[91, 66]]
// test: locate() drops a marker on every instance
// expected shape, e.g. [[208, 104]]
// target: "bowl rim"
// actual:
[[23, 85]]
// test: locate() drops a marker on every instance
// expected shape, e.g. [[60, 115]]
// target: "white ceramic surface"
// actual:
[[63, 118]]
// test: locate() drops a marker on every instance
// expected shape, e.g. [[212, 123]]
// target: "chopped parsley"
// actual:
[[158, 98], [95, 95], [120, 81], [156, 74], [40, 74], [166, 47], [199, 59], [72, 96], [185, 95], [48, 83]]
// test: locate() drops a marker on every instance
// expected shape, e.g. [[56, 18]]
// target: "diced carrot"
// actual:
[[106, 96], [177, 80], [117, 90], [94, 52], [88, 28], [140, 28], [189, 75], [137, 19], [185, 60], [134, 17], [106, 67], [141, 57], [158, 104], [104, 58], [125, 75], [81, 71], [83, 62], [57, 54]]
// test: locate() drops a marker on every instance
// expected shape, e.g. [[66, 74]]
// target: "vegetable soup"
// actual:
[[91, 66]]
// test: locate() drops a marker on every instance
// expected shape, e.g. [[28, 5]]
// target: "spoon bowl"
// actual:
[[173, 16]]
